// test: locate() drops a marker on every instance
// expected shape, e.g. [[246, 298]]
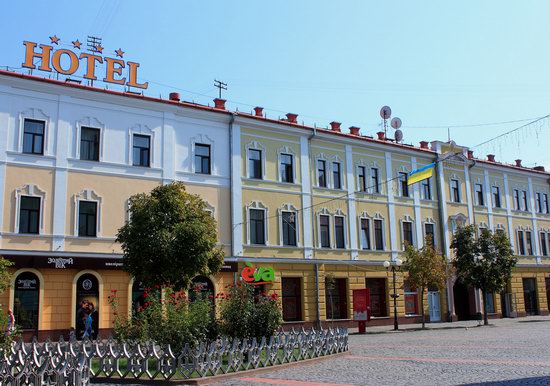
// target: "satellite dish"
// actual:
[[396, 123], [385, 112], [398, 135]]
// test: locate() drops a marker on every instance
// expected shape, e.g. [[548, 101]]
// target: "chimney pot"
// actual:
[[491, 157], [381, 135], [335, 126], [259, 111], [219, 103], [470, 154], [354, 130], [291, 117], [539, 168], [424, 144], [518, 163], [175, 96]]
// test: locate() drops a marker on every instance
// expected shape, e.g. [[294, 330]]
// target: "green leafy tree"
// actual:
[[425, 268], [484, 262], [170, 238], [8, 333]]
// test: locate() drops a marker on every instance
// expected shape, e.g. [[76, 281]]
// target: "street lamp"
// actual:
[[395, 265]]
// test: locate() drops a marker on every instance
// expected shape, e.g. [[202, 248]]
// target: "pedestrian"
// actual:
[[72, 334], [11, 322]]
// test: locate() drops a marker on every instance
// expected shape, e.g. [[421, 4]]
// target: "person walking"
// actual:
[[11, 322]]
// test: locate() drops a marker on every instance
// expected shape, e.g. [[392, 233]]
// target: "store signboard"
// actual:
[[258, 275]]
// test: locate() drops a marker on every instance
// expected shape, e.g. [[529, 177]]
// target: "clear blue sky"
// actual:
[[436, 63]]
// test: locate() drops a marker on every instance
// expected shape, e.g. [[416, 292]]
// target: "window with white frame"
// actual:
[[87, 214], [322, 172], [209, 209], [543, 243], [287, 164], [529, 243], [521, 242], [525, 201], [455, 190], [33, 132], [365, 229], [202, 157], [479, 195], [337, 175], [545, 206], [500, 229], [496, 196], [538, 202], [257, 223], [429, 233], [375, 180], [362, 178], [378, 225], [407, 232], [403, 184], [427, 189], [517, 202], [142, 140], [29, 210], [288, 225], [339, 231], [255, 160], [324, 230], [411, 298]]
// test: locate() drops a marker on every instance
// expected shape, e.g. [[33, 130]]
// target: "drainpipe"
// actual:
[[232, 215], [318, 296], [318, 321]]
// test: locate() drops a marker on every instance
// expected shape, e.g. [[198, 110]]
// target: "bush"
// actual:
[[7, 336], [244, 315]]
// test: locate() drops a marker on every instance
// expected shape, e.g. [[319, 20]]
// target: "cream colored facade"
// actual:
[[248, 195]]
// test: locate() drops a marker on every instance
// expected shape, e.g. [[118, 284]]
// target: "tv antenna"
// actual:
[[396, 124], [93, 42], [221, 86]]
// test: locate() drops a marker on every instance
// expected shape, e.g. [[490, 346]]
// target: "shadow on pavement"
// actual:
[[514, 382]]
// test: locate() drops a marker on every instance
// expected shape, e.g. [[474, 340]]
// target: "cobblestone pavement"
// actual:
[[510, 352]]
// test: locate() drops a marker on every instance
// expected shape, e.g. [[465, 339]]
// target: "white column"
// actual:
[[307, 217], [4, 128], [442, 197], [535, 233], [352, 215], [488, 200], [507, 197], [417, 213], [391, 207], [236, 193], [469, 200], [168, 148]]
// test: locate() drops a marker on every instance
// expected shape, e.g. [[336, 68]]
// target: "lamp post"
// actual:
[[395, 265]]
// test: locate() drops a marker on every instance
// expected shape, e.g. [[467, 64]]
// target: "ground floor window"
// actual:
[[490, 303], [336, 298], [87, 307], [138, 289], [378, 302], [25, 300], [411, 298], [530, 296], [548, 291], [292, 299]]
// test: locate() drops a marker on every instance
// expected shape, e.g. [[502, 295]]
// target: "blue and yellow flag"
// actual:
[[421, 174]]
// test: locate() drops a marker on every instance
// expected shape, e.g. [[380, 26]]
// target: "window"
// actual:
[[287, 168], [26, 300], [455, 190], [545, 207], [202, 159], [496, 196], [257, 226], [87, 218], [29, 214], [411, 298], [479, 195], [426, 189], [289, 228], [429, 234], [543, 244], [324, 225], [362, 177], [339, 233], [33, 136], [89, 144], [255, 164], [374, 180], [378, 300], [538, 202], [490, 304], [292, 299], [525, 203], [529, 243], [407, 234], [365, 233], [336, 176], [378, 235], [322, 173], [336, 298], [403, 184], [142, 150], [517, 205], [521, 243]]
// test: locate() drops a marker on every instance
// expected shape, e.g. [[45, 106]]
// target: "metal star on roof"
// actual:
[[99, 48], [76, 44], [119, 53], [54, 39]]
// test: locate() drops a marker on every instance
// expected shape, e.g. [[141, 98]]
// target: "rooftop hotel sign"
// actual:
[[68, 62]]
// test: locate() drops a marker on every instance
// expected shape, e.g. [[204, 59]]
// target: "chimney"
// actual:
[[424, 144], [175, 96], [518, 163], [292, 118], [219, 103], [354, 130], [259, 111], [491, 157], [335, 126], [470, 154], [381, 135], [539, 168]]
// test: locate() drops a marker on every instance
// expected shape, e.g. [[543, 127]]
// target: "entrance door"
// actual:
[[530, 296], [26, 301], [87, 303], [504, 304], [434, 306], [462, 301]]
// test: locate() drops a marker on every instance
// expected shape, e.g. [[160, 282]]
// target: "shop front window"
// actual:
[[292, 299], [378, 302], [411, 298], [25, 300], [336, 298]]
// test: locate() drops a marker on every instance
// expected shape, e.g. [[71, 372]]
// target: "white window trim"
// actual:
[[403, 169], [546, 241], [87, 195], [378, 216], [203, 139], [140, 129], [431, 221], [456, 219], [500, 227], [365, 216], [429, 179], [333, 160], [496, 185], [371, 187], [407, 219], [482, 225], [210, 209], [362, 163], [255, 145], [341, 214], [29, 190], [525, 229], [520, 189], [324, 212], [290, 151], [92, 123], [451, 196], [478, 181], [257, 205], [328, 171], [289, 208], [37, 115]]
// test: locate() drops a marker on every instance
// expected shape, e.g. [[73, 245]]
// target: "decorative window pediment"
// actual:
[[37, 115], [93, 123], [29, 190]]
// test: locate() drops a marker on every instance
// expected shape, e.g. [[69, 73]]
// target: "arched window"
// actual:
[[87, 305], [26, 300], [202, 285]]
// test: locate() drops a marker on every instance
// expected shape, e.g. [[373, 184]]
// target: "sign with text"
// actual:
[[257, 276], [361, 305]]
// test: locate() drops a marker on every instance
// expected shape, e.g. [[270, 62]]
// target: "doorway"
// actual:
[[530, 296], [462, 301], [434, 305]]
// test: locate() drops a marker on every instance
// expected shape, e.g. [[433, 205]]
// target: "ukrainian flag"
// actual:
[[421, 174]]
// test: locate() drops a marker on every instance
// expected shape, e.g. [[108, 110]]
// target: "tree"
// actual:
[[170, 238], [484, 262], [8, 333], [426, 268]]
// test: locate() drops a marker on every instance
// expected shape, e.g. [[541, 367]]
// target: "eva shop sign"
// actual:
[[258, 275]]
